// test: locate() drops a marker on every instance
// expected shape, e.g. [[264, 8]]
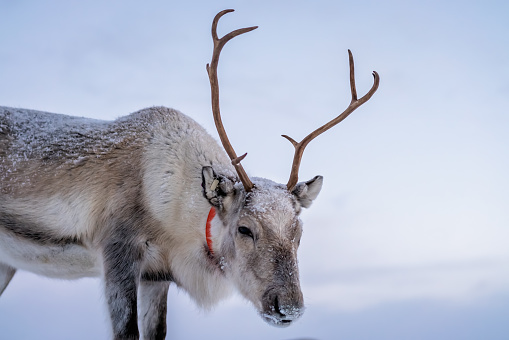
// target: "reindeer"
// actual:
[[148, 200]]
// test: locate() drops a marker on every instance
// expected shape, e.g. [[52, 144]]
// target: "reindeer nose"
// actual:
[[282, 313], [276, 307], [281, 307], [290, 309]]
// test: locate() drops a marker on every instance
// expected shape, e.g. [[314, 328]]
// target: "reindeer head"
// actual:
[[261, 228], [260, 235]]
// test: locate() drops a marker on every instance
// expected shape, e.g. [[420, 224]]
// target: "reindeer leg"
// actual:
[[122, 259], [6, 274], [152, 308]]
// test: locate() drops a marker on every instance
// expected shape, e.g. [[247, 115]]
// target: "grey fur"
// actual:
[[153, 309], [27, 230]]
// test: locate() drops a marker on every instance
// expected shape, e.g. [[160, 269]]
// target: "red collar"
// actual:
[[212, 214]]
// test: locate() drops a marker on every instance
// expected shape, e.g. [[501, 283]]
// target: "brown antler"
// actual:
[[354, 104], [214, 89]]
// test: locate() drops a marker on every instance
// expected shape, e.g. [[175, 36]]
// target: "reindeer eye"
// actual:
[[245, 231]]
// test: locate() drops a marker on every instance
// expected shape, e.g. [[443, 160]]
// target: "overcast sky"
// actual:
[[409, 236]]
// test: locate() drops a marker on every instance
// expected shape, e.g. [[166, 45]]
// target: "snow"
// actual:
[[34, 138], [269, 196], [49, 137]]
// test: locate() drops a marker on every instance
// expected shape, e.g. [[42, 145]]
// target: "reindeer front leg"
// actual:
[[152, 308], [122, 262]]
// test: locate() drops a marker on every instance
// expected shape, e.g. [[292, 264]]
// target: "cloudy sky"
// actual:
[[409, 237]]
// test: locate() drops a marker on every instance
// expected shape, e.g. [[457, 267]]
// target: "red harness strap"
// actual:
[[212, 214]]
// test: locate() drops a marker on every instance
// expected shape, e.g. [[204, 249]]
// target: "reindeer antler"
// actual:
[[354, 104], [214, 88]]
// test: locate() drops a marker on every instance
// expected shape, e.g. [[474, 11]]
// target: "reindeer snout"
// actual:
[[287, 312], [282, 306]]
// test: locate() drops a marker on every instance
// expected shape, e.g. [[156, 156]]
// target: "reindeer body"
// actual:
[[67, 182], [128, 201], [150, 199], [71, 187]]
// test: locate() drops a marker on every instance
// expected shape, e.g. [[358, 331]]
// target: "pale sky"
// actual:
[[409, 236]]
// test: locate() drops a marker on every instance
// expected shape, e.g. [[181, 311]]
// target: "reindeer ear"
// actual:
[[215, 186], [306, 192]]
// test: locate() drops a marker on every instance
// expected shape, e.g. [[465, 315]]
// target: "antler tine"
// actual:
[[214, 88], [354, 104]]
